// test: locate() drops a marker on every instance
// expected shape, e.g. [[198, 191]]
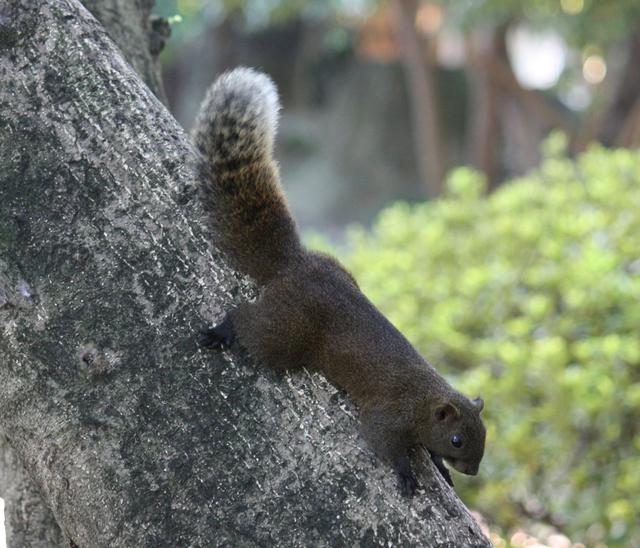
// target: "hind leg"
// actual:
[[275, 337], [270, 337]]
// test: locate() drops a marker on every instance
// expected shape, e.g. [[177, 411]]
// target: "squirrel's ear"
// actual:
[[447, 412], [479, 404]]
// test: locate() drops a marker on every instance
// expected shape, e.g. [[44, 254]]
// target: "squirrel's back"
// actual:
[[241, 193]]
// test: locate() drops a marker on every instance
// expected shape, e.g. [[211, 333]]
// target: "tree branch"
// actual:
[[134, 435]]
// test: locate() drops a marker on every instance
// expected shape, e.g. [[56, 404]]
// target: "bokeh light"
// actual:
[[572, 7], [594, 69]]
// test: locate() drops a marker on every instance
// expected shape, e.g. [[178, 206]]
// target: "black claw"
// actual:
[[210, 339], [219, 337], [444, 471], [407, 483]]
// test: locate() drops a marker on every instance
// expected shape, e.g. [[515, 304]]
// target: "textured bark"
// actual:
[[139, 35], [28, 522], [135, 436]]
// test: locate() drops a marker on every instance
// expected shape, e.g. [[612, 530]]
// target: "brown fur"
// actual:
[[311, 311]]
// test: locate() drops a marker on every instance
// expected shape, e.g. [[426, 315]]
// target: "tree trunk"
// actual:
[[483, 135], [28, 521], [504, 115], [629, 135], [620, 119], [139, 35], [521, 130], [420, 77], [134, 436]]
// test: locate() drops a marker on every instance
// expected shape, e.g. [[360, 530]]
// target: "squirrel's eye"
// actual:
[[456, 440]]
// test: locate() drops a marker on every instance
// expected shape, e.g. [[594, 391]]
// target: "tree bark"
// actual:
[[139, 35], [141, 38], [28, 521], [134, 436], [420, 77]]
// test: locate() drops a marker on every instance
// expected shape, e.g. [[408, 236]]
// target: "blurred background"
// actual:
[[486, 152], [382, 98]]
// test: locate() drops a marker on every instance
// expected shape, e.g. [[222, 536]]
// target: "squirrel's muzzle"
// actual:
[[468, 468]]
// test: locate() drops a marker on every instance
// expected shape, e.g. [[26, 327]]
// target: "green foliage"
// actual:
[[530, 298]]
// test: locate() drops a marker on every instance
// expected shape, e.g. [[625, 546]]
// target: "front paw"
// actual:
[[407, 483], [220, 336], [444, 471]]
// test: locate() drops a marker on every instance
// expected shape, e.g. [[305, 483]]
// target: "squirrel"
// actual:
[[310, 311]]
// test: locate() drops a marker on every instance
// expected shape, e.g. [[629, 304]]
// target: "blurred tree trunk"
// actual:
[[133, 435], [483, 138], [420, 77], [629, 135], [521, 130], [620, 123], [506, 119]]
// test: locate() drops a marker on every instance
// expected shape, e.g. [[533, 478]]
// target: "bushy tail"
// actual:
[[241, 193]]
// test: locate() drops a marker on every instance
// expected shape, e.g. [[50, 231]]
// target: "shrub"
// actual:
[[530, 297]]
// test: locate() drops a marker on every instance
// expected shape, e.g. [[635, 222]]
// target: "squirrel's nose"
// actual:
[[471, 469]]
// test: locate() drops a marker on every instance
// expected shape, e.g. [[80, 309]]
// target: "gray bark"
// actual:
[[134, 436], [139, 35], [28, 521]]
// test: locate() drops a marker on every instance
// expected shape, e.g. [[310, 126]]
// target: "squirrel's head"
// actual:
[[454, 430]]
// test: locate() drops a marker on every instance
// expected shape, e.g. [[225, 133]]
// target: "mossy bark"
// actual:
[[133, 435]]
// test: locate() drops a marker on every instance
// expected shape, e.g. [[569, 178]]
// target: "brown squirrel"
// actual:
[[310, 311]]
